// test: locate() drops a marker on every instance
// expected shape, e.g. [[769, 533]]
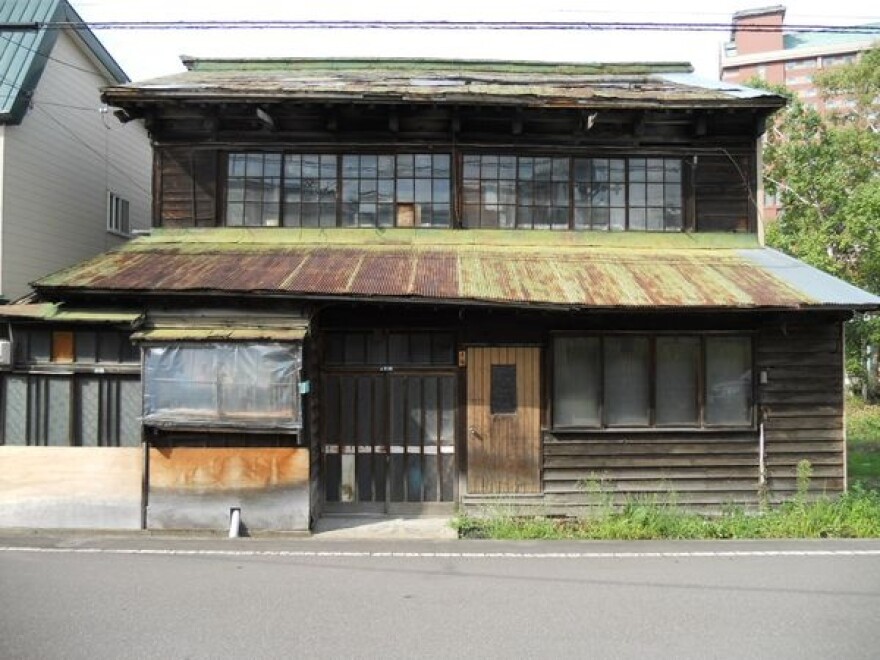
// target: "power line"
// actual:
[[870, 29]]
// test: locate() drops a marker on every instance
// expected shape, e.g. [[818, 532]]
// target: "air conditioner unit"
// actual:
[[5, 353]]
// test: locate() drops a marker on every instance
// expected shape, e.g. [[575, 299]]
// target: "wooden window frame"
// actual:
[[571, 207], [701, 425], [399, 206]]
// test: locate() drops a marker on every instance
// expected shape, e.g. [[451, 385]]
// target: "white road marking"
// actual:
[[451, 555]]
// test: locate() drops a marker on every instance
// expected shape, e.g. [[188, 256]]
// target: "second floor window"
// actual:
[[524, 192], [329, 190]]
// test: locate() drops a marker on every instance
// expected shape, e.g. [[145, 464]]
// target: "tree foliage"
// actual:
[[826, 174]]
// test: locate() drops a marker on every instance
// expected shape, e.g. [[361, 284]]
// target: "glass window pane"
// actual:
[[576, 381], [626, 381], [58, 412], [729, 381], [678, 363], [15, 410]]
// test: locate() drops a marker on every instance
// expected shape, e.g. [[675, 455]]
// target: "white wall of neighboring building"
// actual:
[[58, 166]]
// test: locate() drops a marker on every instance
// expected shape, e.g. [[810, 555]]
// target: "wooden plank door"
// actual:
[[503, 419]]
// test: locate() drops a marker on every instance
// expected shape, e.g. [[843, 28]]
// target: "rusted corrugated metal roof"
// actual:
[[567, 269], [634, 85]]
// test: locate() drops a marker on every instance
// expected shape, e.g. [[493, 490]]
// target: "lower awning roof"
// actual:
[[503, 268], [219, 334], [57, 313]]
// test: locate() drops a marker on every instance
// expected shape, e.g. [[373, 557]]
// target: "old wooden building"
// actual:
[[406, 286]]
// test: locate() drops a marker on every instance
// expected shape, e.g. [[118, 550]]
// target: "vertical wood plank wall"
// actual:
[[504, 451]]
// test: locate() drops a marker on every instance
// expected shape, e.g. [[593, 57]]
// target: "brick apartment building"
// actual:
[[789, 58]]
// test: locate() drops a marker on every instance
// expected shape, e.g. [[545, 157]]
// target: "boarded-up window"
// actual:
[[503, 389], [62, 346]]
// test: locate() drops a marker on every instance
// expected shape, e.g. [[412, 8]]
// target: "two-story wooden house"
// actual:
[[391, 286]]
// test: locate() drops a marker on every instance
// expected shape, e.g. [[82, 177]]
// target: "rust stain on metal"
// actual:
[[506, 271], [240, 468]]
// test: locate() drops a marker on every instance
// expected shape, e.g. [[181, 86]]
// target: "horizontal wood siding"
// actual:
[[187, 189], [724, 192], [686, 467], [800, 402], [802, 405]]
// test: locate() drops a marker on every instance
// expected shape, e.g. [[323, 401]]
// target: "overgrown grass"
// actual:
[[863, 443], [853, 515]]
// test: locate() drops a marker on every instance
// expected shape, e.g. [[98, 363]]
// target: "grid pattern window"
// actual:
[[655, 201], [118, 219], [310, 187], [638, 194], [253, 195], [329, 190], [509, 191], [368, 191], [645, 381], [600, 193]]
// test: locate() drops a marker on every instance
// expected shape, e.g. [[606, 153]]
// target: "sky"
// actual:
[[151, 53]]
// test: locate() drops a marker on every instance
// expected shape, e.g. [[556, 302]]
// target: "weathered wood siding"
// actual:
[[186, 187], [724, 192], [693, 468], [802, 404], [71, 487], [193, 488]]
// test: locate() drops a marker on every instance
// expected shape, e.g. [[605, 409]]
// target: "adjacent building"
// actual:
[[73, 181], [789, 58], [413, 285]]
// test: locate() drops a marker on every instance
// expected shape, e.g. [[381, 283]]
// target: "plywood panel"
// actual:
[[504, 449], [192, 488], [71, 487]]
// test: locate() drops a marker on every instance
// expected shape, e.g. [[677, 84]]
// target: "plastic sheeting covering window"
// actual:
[[227, 385]]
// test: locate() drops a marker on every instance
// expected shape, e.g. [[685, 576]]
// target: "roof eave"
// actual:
[[52, 291]]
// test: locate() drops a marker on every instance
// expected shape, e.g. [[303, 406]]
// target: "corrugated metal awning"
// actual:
[[57, 313], [219, 334], [504, 268]]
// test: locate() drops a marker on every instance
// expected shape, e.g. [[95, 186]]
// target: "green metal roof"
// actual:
[[24, 52], [571, 270]]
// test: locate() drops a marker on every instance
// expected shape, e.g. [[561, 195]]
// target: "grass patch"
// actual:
[[863, 443], [855, 514]]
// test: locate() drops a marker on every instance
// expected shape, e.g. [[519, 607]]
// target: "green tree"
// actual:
[[826, 174]]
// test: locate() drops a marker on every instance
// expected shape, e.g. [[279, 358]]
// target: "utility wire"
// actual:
[[94, 151], [461, 25]]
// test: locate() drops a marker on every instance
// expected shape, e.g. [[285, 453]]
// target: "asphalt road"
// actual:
[[149, 598]]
